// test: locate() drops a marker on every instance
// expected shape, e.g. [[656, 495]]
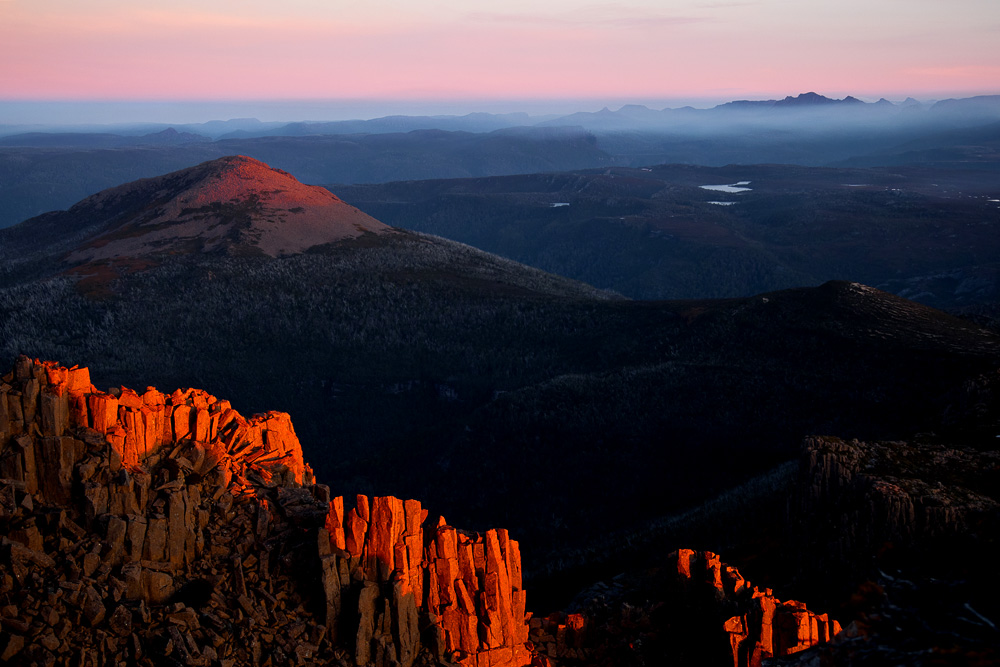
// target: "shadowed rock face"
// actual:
[[905, 526]]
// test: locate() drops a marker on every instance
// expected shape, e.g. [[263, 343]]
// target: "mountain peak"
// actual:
[[805, 99], [234, 204]]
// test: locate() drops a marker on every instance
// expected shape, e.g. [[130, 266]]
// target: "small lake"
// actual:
[[732, 188]]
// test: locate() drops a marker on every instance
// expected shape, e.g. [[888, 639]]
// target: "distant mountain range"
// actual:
[[803, 100], [42, 171], [167, 137], [981, 107]]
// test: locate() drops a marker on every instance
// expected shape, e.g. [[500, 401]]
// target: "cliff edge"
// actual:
[[168, 529]]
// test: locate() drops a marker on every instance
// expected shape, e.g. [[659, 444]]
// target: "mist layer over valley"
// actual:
[[46, 169]]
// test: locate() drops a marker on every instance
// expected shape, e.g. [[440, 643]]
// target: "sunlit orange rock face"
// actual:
[[138, 426], [692, 609], [171, 525], [769, 627], [468, 586]]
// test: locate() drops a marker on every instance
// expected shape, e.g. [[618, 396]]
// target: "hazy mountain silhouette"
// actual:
[[43, 171], [166, 137]]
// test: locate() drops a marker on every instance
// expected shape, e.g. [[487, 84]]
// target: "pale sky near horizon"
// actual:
[[391, 49]]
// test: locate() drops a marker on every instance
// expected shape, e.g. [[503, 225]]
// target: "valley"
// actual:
[[657, 233]]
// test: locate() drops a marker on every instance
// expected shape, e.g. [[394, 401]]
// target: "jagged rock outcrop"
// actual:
[[855, 497], [692, 609], [763, 626], [467, 586], [901, 530], [561, 636], [168, 525]]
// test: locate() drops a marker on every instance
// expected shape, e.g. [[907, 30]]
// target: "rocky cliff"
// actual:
[[856, 498], [694, 609], [900, 530], [167, 529]]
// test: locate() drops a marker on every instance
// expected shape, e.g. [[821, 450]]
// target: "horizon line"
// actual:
[[190, 111]]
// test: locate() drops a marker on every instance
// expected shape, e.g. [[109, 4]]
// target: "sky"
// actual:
[[372, 54]]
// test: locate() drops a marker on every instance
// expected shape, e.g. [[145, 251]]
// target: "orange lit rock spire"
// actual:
[[473, 599]]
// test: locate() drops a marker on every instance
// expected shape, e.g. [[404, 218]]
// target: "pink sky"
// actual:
[[249, 49]]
